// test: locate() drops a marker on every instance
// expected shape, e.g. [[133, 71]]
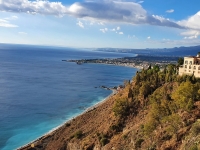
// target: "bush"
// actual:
[[196, 128], [67, 124], [125, 136], [120, 107], [104, 141], [78, 134], [116, 127], [193, 147], [138, 143]]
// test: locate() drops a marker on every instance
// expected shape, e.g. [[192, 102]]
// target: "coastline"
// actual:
[[139, 61], [58, 128]]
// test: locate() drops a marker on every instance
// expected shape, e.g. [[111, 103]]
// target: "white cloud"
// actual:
[[121, 33], [33, 7], [170, 11], [148, 37], [104, 30], [130, 37], [14, 17], [185, 42], [193, 22], [191, 34], [23, 33], [161, 21], [103, 11], [7, 24], [191, 37], [116, 29], [80, 24], [140, 2], [100, 23], [193, 25], [118, 11]]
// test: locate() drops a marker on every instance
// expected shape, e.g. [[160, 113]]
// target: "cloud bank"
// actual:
[[33, 7], [105, 10], [117, 11], [192, 22]]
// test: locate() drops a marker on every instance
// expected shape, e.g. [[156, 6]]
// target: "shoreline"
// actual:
[[139, 61], [56, 129]]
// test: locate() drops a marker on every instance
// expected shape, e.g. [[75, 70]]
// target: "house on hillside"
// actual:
[[191, 65]]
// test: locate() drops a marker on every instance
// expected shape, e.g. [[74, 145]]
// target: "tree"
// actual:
[[174, 123], [156, 68], [120, 107], [145, 89], [180, 61], [149, 127], [184, 95], [137, 78]]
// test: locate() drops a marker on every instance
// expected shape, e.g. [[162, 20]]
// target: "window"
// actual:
[[186, 62], [199, 68], [190, 62], [194, 67], [189, 71], [190, 67], [185, 66]]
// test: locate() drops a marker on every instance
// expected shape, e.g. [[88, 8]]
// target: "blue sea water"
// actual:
[[39, 92]]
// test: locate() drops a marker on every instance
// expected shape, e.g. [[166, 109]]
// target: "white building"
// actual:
[[190, 66]]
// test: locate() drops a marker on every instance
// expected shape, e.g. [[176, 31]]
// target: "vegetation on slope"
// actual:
[[170, 102]]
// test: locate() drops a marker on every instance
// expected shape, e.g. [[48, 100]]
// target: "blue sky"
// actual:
[[101, 23]]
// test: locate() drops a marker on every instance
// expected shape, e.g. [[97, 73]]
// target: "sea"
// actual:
[[39, 91]]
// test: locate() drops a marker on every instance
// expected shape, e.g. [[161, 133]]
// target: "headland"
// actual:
[[139, 61]]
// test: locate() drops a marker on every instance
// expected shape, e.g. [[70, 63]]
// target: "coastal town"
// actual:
[[140, 61]]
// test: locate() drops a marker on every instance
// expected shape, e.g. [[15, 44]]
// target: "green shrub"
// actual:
[[193, 147], [125, 136], [103, 139], [78, 134], [120, 107]]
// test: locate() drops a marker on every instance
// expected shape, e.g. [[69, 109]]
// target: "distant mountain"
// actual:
[[176, 51]]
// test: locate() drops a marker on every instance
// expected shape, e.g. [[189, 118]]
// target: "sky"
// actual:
[[101, 23]]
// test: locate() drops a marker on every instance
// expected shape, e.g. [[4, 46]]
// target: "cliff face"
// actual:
[[141, 116]]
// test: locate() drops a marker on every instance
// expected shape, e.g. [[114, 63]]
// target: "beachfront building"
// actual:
[[191, 66]]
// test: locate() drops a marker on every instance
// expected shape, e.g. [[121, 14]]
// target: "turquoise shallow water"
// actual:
[[39, 92]]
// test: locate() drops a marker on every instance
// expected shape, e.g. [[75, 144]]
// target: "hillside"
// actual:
[[157, 110]]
